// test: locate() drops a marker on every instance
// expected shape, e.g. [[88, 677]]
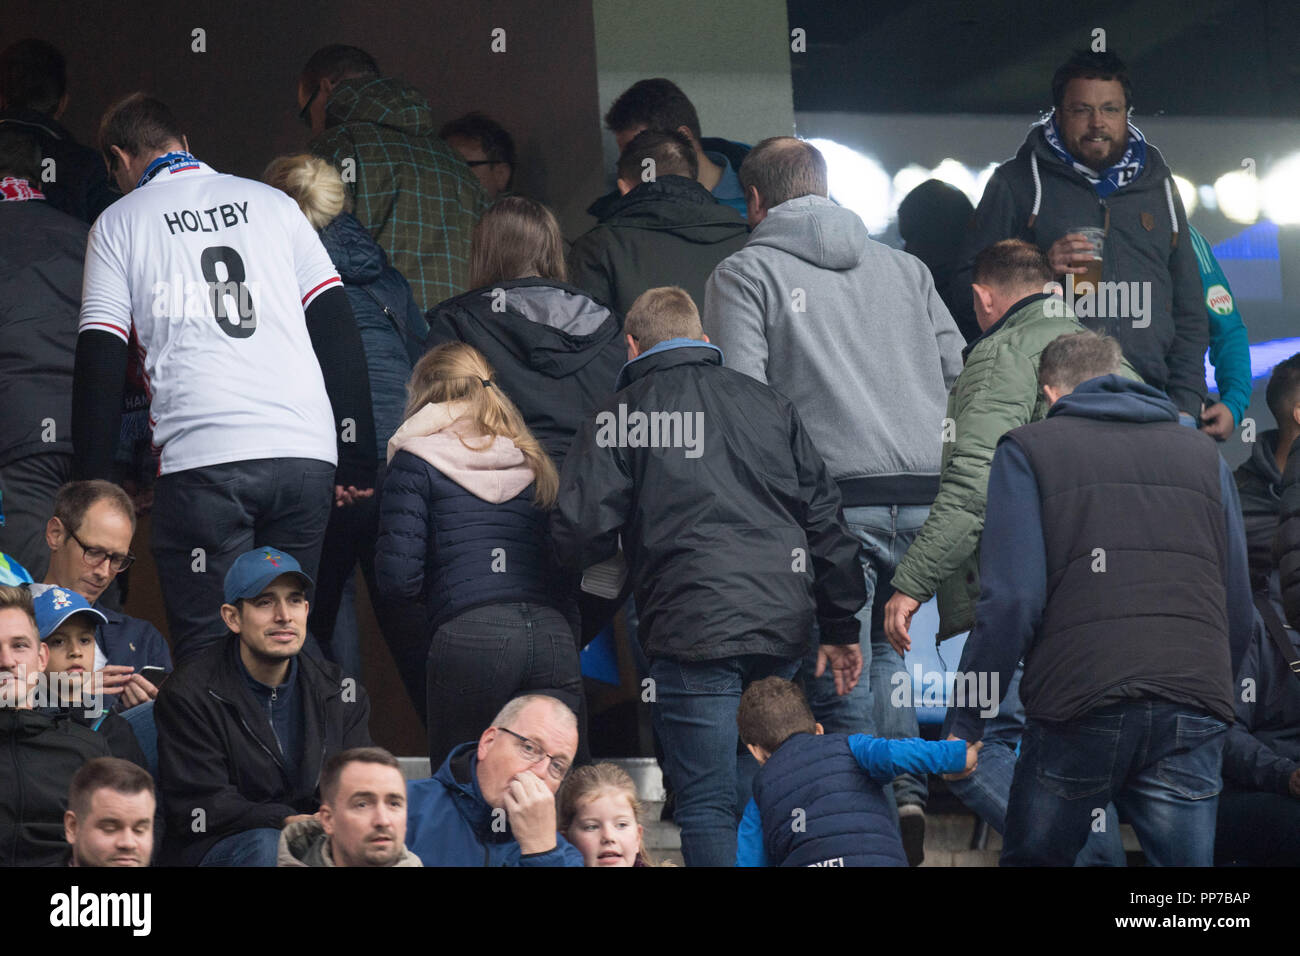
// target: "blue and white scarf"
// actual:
[[1121, 174]]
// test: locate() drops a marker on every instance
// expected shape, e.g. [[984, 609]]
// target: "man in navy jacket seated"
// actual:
[[492, 802]]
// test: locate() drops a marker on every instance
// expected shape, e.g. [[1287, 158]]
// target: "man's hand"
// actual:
[[1217, 420], [1294, 783], [530, 808], [972, 758], [846, 665], [898, 615], [298, 818], [350, 495], [137, 691], [1066, 252]]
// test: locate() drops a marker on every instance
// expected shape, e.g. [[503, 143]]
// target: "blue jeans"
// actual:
[[987, 790], [886, 532], [1157, 760], [695, 716], [249, 848]]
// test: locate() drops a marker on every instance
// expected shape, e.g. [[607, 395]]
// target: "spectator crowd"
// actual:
[[724, 411]]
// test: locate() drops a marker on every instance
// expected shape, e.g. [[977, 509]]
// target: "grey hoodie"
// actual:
[[854, 333]]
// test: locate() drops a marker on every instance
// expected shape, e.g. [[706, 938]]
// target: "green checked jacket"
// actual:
[[409, 189]]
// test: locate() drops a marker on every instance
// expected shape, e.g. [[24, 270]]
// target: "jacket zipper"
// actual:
[[18, 779], [278, 762]]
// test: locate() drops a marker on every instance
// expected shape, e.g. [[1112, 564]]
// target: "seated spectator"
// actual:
[[41, 256], [67, 627], [110, 815], [245, 726], [89, 537], [486, 148], [1259, 478], [735, 543], [411, 190], [392, 334], [660, 104], [600, 814], [492, 802], [463, 527], [43, 750], [362, 816], [665, 230], [33, 96], [831, 783]]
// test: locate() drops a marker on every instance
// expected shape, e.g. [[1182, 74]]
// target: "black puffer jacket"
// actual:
[[732, 527], [217, 752], [39, 753], [1286, 547], [1259, 485], [667, 232], [554, 349]]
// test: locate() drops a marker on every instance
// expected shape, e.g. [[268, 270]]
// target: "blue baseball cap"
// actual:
[[254, 570], [55, 605]]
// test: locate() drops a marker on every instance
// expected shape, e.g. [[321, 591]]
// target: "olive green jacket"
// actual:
[[996, 392]]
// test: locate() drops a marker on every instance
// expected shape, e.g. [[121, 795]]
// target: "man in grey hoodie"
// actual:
[[856, 335]]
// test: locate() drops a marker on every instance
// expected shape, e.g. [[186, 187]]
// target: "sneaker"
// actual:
[[911, 823]]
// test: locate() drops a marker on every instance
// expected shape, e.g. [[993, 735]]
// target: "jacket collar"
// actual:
[[666, 354], [677, 189], [1116, 398], [459, 774], [1008, 318]]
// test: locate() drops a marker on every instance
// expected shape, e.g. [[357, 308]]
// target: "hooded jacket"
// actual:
[[448, 823], [82, 188], [730, 522], [1113, 561], [1259, 484], [553, 349], [217, 752], [1038, 198], [39, 753], [457, 524], [667, 232], [305, 843], [854, 334], [391, 326], [996, 392], [412, 192]]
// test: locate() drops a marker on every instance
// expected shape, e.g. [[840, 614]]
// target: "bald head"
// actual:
[[779, 169]]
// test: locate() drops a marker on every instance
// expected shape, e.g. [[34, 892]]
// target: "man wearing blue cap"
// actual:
[[244, 726]]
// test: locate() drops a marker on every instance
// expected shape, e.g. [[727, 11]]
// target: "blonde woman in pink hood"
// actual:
[[463, 526]]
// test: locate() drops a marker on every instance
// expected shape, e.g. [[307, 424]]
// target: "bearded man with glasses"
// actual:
[[89, 537], [492, 802]]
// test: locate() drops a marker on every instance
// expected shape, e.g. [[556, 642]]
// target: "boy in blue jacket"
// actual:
[[819, 798]]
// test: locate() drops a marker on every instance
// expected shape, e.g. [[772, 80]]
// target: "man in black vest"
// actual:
[[1126, 592]]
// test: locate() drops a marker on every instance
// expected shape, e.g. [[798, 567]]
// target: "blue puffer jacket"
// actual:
[[392, 327], [818, 800], [448, 823], [457, 526]]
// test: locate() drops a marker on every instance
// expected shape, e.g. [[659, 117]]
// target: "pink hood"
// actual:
[[495, 471]]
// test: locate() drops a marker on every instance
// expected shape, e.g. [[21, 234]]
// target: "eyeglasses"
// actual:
[[94, 557], [304, 114], [558, 766], [1110, 111]]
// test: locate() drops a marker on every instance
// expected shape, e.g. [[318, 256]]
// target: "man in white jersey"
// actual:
[[252, 360]]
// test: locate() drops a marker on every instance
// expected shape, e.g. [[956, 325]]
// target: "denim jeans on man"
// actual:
[[694, 711], [249, 848], [204, 518], [988, 789], [886, 532], [1157, 760], [483, 657]]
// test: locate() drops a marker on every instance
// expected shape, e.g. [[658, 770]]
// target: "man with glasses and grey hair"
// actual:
[[89, 537], [492, 802]]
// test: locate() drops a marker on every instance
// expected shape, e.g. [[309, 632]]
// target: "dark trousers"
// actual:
[[1156, 760], [1257, 829], [204, 518], [27, 489], [484, 657]]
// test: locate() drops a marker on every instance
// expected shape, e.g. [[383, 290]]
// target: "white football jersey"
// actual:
[[214, 273]]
